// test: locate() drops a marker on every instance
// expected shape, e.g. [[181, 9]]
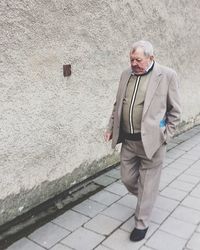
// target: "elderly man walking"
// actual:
[[144, 117]]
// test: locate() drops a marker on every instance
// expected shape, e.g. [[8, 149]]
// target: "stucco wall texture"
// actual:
[[51, 126]]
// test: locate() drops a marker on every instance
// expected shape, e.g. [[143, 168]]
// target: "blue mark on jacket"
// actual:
[[163, 123]]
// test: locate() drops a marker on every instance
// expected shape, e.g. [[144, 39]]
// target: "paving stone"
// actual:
[[188, 178], [164, 241], [175, 153], [185, 146], [191, 140], [172, 171], [186, 214], [192, 132], [192, 202], [120, 181], [193, 171], [198, 229], [128, 200], [129, 225], [173, 193], [159, 215], [79, 192], [178, 140], [178, 228], [71, 220], [196, 192], [60, 247], [105, 197], [191, 156], [196, 127], [196, 165], [198, 135], [167, 178], [118, 212], [83, 239], [194, 242], [194, 151], [114, 173], [145, 248], [181, 185], [48, 235], [186, 162], [166, 203], [177, 165], [104, 180], [89, 208], [119, 240], [171, 145], [185, 136], [163, 185], [196, 139], [25, 244], [165, 164], [117, 188], [102, 224], [101, 247], [152, 228], [168, 160]]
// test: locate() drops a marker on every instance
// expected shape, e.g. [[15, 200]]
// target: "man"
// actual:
[[144, 117]]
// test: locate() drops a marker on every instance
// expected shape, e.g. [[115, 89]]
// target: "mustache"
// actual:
[[136, 67]]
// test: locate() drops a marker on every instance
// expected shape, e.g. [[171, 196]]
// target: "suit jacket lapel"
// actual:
[[152, 86], [124, 82]]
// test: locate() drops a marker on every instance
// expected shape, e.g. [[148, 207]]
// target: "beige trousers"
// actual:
[[141, 176]]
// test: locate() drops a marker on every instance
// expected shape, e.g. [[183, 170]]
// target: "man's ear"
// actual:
[[152, 58]]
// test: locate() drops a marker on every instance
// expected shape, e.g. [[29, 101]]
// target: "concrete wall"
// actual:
[[51, 127]]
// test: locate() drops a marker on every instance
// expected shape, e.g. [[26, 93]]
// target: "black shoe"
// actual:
[[138, 234]]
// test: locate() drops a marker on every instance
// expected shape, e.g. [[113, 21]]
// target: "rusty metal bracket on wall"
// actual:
[[67, 70]]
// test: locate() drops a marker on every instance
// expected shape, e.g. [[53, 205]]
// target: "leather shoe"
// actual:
[[138, 234]]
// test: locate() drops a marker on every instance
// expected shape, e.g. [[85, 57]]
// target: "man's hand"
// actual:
[[107, 136]]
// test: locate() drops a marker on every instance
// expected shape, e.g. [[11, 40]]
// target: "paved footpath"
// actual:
[[104, 221]]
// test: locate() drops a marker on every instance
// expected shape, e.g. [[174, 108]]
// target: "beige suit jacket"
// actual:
[[162, 104]]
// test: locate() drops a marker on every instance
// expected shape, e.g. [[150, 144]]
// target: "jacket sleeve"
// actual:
[[111, 120], [173, 107]]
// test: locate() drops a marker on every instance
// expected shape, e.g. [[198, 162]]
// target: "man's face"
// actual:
[[139, 62]]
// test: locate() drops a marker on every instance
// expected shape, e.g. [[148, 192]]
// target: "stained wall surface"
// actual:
[[51, 126]]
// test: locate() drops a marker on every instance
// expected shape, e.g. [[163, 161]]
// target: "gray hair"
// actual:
[[145, 45]]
